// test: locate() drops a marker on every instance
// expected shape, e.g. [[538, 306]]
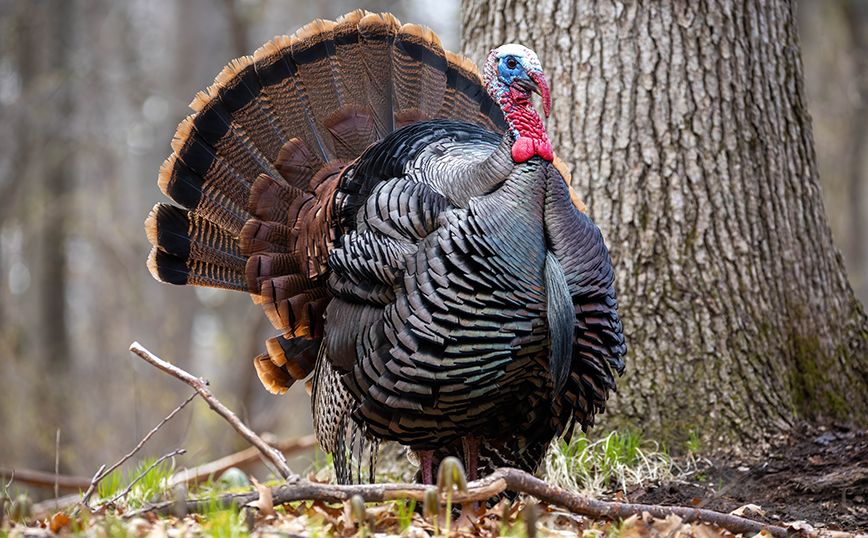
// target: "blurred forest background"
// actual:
[[90, 94]]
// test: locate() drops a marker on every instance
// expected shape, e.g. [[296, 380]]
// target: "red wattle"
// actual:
[[526, 123], [544, 149], [523, 149]]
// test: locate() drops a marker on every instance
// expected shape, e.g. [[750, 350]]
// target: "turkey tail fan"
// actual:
[[254, 169]]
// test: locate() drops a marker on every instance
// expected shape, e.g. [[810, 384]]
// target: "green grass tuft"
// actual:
[[613, 463], [154, 483]]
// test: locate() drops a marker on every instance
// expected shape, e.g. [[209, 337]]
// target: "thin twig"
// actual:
[[133, 483], [93, 483], [5, 496], [201, 386], [57, 468], [102, 474], [148, 436]]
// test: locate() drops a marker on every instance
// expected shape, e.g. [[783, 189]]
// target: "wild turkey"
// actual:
[[420, 255]]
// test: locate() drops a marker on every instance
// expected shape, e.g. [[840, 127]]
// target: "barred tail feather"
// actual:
[[286, 361], [193, 251]]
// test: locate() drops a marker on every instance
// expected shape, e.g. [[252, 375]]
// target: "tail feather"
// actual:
[[287, 361], [214, 194], [186, 235], [217, 128], [277, 72], [176, 270], [419, 64], [240, 92], [191, 250], [466, 97], [313, 52], [297, 163], [263, 267]]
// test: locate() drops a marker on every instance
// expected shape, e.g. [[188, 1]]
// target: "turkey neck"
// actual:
[[526, 126], [484, 176]]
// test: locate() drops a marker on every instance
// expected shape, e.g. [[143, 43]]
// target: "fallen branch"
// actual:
[[480, 490], [240, 460], [46, 480], [201, 386]]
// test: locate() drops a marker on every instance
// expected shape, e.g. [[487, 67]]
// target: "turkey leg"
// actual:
[[471, 453], [426, 463]]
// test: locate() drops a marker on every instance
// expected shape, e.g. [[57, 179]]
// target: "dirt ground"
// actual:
[[819, 476]]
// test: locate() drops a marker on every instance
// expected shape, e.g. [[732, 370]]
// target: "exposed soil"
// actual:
[[816, 476]]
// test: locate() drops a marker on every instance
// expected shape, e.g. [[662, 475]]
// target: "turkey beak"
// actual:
[[537, 84]]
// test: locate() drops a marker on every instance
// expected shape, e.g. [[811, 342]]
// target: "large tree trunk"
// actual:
[[686, 129]]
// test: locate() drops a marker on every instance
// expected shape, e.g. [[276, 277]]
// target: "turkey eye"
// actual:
[[511, 63]]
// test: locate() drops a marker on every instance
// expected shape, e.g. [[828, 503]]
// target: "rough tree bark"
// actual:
[[686, 128]]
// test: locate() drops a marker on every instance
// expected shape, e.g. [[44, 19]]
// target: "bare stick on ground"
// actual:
[[240, 460], [57, 468], [480, 490], [201, 386], [102, 474]]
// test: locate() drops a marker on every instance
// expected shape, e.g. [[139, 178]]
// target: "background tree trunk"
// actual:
[[687, 131]]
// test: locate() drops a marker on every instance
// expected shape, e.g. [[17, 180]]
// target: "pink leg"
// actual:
[[471, 460], [426, 463]]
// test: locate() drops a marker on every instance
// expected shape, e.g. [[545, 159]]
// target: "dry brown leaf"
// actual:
[[59, 521], [139, 527], [667, 527], [331, 516], [346, 516], [748, 510], [264, 503], [799, 526], [706, 530]]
